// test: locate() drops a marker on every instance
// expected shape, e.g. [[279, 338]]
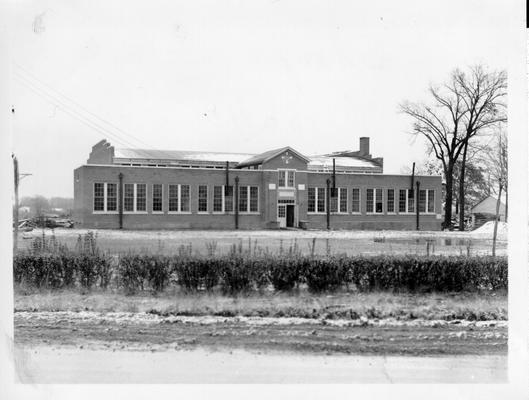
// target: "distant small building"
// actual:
[[485, 211], [24, 212]]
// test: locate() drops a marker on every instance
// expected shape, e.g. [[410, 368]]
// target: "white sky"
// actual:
[[238, 76]]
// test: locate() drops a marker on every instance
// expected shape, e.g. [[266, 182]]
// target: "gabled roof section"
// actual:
[[268, 155]]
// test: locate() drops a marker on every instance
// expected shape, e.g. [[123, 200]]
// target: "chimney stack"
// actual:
[[364, 147]]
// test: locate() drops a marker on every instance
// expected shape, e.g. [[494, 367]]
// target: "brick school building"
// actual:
[[158, 189]]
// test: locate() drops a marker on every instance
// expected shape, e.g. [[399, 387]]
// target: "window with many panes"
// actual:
[[157, 197], [316, 200], [135, 197], [431, 200], [248, 199], [339, 202], [406, 201], [411, 201], [105, 197], [178, 198], [402, 200], [390, 205], [355, 204], [422, 201], [374, 201], [202, 198], [285, 178], [218, 198]]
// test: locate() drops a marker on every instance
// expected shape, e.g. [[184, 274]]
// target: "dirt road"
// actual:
[[74, 365]]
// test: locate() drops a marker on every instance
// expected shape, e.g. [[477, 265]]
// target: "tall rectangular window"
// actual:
[[431, 201], [173, 198], [228, 199], [321, 200], [128, 198], [422, 201], [281, 178], [141, 197], [411, 201], [112, 197], [290, 178], [202, 198], [311, 194], [218, 198], [390, 206], [355, 205], [243, 198], [157, 196], [339, 203], [254, 198], [369, 200], [184, 198], [379, 205], [99, 196], [402, 200]]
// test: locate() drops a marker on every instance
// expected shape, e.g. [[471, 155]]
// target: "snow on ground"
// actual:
[[488, 228], [485, 232]]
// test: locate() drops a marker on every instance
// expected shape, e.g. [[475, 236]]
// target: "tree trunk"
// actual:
[[495, 233], [506, 202], [448, 194], [462, 189]]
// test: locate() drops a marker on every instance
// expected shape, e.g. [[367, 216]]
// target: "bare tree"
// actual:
[[498, 167], [459, 110], [483, 93]]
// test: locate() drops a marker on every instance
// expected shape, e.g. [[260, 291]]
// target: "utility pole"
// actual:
[[236, 202], [17, 177], [417, 203]]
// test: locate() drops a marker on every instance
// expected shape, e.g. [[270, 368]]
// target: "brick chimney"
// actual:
[[364, 147]]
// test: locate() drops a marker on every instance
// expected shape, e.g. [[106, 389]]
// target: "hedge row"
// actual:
[[236, 273]]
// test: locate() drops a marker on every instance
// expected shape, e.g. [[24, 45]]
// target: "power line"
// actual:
[[115, 128]]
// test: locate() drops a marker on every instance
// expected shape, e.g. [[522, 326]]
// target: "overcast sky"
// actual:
[[238, 76]]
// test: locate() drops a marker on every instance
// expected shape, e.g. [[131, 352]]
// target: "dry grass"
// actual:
[[342, 305]]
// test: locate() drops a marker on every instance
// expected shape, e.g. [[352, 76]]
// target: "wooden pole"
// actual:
[[120, 205], [417, 203], [16, 216], [236, 205], [328, 205]]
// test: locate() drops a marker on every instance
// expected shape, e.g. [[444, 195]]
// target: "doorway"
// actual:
[[290, 216]]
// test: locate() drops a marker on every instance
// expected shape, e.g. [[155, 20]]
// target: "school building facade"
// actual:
[[158, 189]]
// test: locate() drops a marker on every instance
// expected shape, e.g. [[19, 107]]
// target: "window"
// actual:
[[254, 199], [135, 197], [202, 198], [339, 203], [243, 198], [218, 198], [390, 206], [411, 201], [311, 193], [355, 207], [320, 201], [249, 199], [128, 199], [178, 198], [402, 200], [316, 200], [157, 196], [431, 200], [141, 197], [99, 197], [422, 201], [112, 197], [285, 178], [228, 198], [374, 201]]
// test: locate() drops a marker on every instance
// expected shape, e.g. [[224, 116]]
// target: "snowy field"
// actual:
[[339, 241]]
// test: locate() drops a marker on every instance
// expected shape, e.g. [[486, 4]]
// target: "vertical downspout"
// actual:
[[417, 203], [120, 205], [328, 204], [236, 205]]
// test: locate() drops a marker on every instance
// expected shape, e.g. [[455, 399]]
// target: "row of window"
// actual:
[[377, 200], [178, 196]]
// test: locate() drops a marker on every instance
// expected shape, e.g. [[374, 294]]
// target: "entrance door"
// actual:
[[282, 215], [290, 216]]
